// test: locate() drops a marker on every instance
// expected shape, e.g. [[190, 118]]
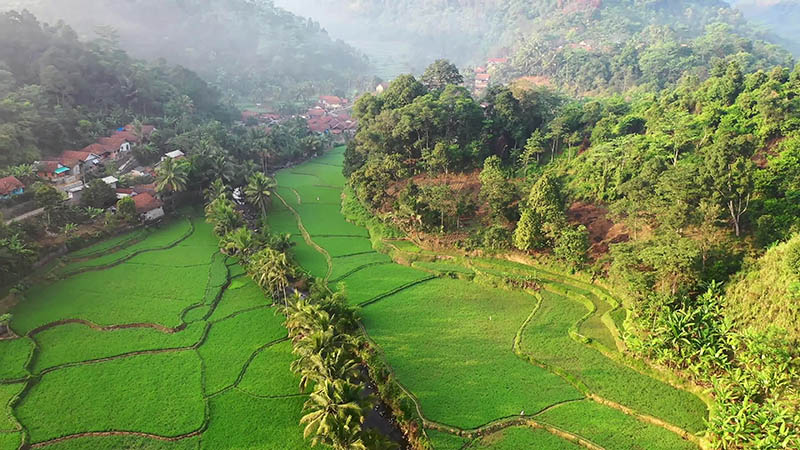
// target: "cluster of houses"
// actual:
[[66, 171], [71, 164], [329, 116], [483, 74]]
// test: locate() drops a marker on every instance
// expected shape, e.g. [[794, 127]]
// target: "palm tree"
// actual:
[[335, 412], [259, 191], [223, 215], [173, 175], [271, 270], [238, 242], [216, 189], [316, 367]]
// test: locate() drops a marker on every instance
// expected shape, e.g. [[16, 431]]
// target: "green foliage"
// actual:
[[496, 189], [126, 210], [98, 194], [440, 74], [571, 245], [543, 221]]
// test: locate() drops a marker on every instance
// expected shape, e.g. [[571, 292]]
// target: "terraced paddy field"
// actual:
[[490, 367], [153, 340]]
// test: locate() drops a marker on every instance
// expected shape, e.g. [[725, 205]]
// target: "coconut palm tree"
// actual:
[[335, 412], [316, 367], [172, 176], [271, 270], [223, 215], [216, 189], [238, 242], [259, 191]]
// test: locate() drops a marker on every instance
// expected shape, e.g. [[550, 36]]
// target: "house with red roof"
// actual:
[[492, 62], [148, 207], [78, 160], [10, 186], [332, 102]]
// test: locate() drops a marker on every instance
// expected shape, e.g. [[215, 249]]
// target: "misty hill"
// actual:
[[247, 47], [778, 17], [585, 45], [59, 93]]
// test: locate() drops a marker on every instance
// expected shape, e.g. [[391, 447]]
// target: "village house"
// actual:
[[148, 207], [332, 102], [10, 187], [175, 154], [52, 171]]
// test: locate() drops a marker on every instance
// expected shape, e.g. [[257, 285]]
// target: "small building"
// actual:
[[148, 207], [78, 161], [111, 181], [52, 171], [493, 62], [331, 101], [177, 154], [10, 187]]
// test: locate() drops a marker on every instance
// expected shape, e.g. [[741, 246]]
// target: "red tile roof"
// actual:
[[71, 158], [146, 202], [127, 191], [48, 166], [332, 99], [498, 60], [483, 76], [10, 184], [480, 69]]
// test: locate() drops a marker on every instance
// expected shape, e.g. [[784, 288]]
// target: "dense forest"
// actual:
[[581, 46], [249, 49], [702, 177]]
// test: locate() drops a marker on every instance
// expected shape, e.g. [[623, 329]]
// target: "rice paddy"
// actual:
[[157, 337]]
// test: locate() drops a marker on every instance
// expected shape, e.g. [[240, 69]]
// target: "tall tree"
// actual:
[[259, 191], [441, 73]]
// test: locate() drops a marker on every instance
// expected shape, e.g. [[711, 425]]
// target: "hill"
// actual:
[[778, 17], [766, 295], [248, 48], [583, 45]]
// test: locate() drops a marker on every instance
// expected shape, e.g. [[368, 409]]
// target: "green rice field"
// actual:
[[155, 340]]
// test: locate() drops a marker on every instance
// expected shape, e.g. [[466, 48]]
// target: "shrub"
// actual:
[[792, 258], [572, 245]]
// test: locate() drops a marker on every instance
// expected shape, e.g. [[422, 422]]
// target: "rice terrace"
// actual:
[[156, 340]]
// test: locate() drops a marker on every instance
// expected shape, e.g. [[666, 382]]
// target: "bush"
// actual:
[[792, 258], [572, 245]]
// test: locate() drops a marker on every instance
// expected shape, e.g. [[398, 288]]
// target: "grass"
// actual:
[[7, 393], [325, 220], [446, 441], [242, 294], [109, 244], [158, 394], [444, 268], [10, 441], [122, 294], [14, 355], [231, 343], [610, 428], [344, 266], [373, 281], [125, 443], [344, 246], [309, 258], [241, 421], [546, 339], [161, 237], [450, 343], [269, 375], [72, 343], [517, 438]]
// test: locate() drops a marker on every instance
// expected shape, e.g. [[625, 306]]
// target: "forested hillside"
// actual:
[[667, 196], [60, 93], [583, 46], [777, 17], [248, 48]]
